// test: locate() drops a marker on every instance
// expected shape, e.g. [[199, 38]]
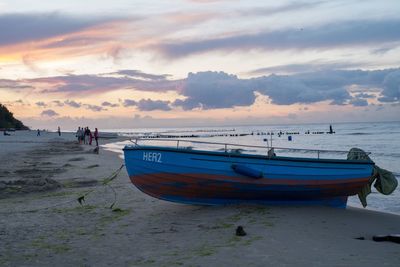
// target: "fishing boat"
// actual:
[[228, 176]]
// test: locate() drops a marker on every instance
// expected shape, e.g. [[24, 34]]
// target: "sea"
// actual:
[[380, 139]]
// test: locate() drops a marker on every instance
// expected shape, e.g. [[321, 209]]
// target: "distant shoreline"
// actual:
[[112, 130]]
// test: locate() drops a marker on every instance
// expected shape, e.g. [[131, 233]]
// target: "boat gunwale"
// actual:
[[237, 155]]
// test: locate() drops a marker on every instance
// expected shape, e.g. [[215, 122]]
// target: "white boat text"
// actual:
[[152, 156]]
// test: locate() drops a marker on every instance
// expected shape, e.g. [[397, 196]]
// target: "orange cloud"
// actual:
[[93, 40]]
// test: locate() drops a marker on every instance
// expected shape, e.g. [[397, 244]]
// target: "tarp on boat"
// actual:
[[384, 181]]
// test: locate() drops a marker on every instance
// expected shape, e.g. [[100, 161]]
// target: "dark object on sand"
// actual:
[[240, 231], [117, 210], [81, 199], [392, 238], [92, 166], [360, 238]]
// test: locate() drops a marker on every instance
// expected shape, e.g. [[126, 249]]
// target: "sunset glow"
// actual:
[[127, 64]]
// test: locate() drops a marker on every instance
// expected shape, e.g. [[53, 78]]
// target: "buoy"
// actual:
[[244, 170]]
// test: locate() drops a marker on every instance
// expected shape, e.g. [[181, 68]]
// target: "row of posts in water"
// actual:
[[279, 134]]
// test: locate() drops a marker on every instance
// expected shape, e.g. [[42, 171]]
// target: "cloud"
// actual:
[[37, 37], [93, 84], [41, 104], [364, 95], [382, 50], [29, 61], [74, 41], [209, 90], [212, 90], [14, 84], [108, 104], [149, 105], [72, 103], [58, 103], [94, 108], [129, 103], [312, 66], [334, 35], [391, 87], [287, 90], [75, 104], [205, 1], [358, 102], [217, 90], [17, 103], [49, 113], [267, 11], [139, 74], [24, 27], [328, 85]]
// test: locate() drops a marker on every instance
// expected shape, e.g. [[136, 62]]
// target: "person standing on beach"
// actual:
[[59, 131], [38, 132], [87, 135], [78, 134], [83, 135], [90, 136], [96, 136]]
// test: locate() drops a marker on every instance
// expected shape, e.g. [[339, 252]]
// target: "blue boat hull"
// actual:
[[214, 178]]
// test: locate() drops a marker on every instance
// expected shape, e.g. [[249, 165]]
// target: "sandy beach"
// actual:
[[42, 223]]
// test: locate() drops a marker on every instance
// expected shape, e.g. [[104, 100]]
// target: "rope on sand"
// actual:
[[106, 182]]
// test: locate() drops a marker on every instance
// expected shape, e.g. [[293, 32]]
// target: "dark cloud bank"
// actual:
[[23, 27], [335, 35], [214, 90], [208, 90], [128, 79], [148, 104]]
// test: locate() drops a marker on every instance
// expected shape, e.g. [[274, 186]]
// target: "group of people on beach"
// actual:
[[85, 136]]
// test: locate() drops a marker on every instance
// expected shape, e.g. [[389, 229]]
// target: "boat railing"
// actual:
[[227, 147]]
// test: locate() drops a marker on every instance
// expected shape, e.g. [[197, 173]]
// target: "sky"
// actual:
[[136, 63]]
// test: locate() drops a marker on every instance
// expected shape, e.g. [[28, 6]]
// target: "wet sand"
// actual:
[[46, 226]]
